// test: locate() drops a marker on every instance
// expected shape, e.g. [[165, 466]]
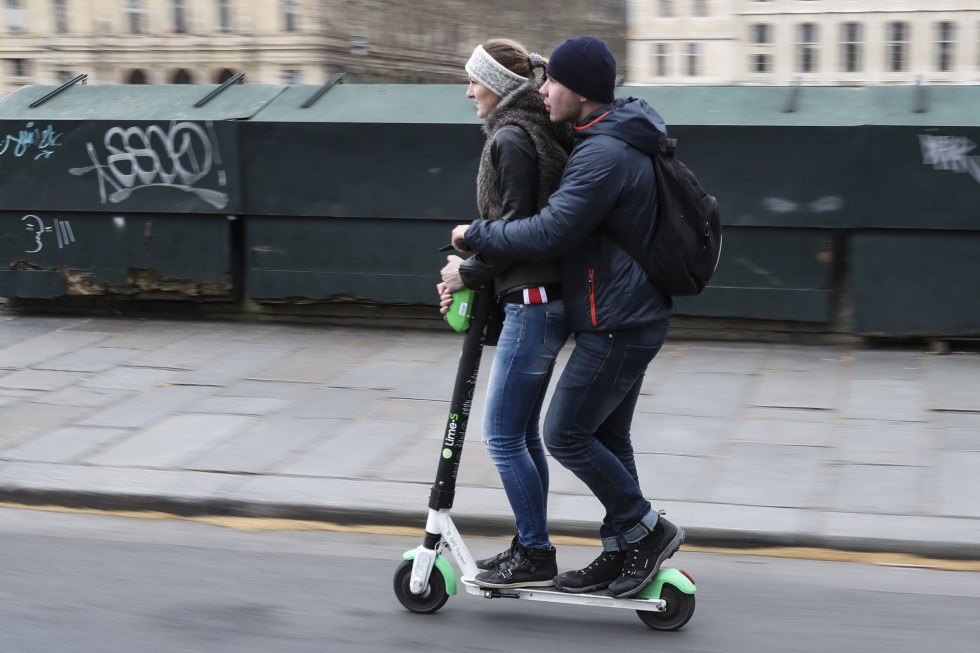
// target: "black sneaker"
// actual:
[[527, 568], [597, 576], [645, 557], [495, 561]]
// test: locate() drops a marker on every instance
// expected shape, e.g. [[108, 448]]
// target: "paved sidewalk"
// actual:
[[840, 446]]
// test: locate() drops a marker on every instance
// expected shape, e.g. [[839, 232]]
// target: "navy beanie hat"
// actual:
[[584, 65]]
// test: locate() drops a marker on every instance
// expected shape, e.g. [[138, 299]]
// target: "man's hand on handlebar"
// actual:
[[459, 234]]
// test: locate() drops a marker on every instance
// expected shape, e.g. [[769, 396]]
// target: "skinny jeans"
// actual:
[[530, 340]]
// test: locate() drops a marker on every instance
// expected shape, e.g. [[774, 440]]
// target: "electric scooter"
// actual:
[[425, 579]]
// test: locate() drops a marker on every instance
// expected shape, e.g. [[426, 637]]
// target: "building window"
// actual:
[[359, 45], [760, 34], [180, 17], [666, 8], [945, 34], [292, 76], [17, 67], [224, 16], [15, 18], [699, 8], [137, 14], [136, 76], [661, 59], [808, 48], [182, 76], [851, 37], [693, 59], [63, 76], [59, 12], [897, 47], [290, 16]]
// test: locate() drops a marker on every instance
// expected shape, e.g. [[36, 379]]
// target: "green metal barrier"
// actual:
[[859, 197]]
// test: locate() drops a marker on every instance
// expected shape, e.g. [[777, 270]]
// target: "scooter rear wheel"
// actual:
[[433, 595], [680, 609]]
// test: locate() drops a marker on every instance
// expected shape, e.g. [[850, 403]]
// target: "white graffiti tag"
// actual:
[[950, 153], [35, 225], [139, 158]]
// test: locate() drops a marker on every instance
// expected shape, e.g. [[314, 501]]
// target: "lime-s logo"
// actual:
[[447, 453]]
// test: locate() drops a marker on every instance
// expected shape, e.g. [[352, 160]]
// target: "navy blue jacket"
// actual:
[[608, 183]]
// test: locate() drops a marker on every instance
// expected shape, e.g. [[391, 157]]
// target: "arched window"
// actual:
[[136, 76], [182, 77], [225, 75]]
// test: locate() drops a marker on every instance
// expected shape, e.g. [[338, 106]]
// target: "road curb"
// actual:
[[467, 523]]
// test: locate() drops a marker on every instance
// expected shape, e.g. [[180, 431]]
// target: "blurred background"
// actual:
[[838, 135], [718, 42]]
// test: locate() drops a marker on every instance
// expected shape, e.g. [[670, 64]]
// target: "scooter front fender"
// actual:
[[668, 576], [446, 569]]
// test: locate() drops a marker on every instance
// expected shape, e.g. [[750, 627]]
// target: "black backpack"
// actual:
[[687, 243]]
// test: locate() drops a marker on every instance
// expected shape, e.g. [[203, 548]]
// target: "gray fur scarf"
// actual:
[[552, 143]]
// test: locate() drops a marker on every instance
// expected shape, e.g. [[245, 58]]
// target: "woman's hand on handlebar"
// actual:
[[445, 298]]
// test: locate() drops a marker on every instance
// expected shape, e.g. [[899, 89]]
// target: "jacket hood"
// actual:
[[631, 120]]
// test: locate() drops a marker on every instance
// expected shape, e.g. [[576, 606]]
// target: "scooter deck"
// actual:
[[555, 595]]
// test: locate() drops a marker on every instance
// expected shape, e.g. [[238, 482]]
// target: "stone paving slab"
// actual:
[[82, 396], [237, 364], [65, 445], [93, 359], [173, 441], [267, 447], [28, 353], [147, 407], [40, 379]]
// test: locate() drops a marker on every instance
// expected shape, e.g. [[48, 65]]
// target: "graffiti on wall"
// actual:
[[32, 138], [60, 228], [950, 153], [180, 156]]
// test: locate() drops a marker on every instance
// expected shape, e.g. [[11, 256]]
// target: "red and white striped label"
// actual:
[[536, 295]]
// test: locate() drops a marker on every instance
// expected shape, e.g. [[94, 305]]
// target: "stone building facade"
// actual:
[[278, 41], [819, 42], [660, 42]]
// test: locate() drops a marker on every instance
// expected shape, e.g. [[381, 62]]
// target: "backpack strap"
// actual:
[[669, 145]]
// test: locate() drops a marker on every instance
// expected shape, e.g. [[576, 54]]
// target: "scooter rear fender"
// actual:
[[668, 576]]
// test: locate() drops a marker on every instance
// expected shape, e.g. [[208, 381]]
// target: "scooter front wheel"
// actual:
[[432, 597], [680, 609]]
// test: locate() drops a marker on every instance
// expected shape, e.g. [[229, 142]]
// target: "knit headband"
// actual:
[[492, 74]]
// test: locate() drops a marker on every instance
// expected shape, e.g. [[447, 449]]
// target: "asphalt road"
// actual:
[[97, 584]]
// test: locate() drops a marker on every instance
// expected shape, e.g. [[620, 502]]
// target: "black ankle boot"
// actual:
[[597, 576], [495, 561], [527, 568]]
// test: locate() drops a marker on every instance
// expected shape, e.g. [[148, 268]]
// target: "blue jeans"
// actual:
[[587, 428], [531, 338]]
